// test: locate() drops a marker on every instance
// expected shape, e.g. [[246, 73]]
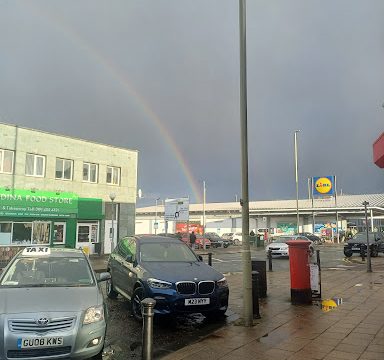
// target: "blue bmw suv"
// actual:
[[167, 270]]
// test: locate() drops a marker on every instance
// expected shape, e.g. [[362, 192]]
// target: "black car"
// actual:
[[316, 239], [216, 240], [168, 271], [358, 244]]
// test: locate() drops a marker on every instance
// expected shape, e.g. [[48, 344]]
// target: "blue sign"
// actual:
[[323, 185]]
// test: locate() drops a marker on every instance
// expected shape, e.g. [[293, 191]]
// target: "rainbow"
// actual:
[[139, 100]]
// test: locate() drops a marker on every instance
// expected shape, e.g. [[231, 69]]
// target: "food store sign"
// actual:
[[25, 203]]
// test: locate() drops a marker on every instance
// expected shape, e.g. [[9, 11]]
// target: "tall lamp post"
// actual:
[[297, 181], [112, 196], [369, 266]]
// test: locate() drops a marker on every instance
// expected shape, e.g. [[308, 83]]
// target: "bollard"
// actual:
[[255, 295], [147, 309], [362, 254], [270, 259], [210, 259]]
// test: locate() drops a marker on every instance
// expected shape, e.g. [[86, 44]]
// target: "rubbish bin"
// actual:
[[98, 248], [260, 241], [261, 267]]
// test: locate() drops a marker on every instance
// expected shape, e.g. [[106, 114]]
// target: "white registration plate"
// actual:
[[39, 342], [197, 301], [355, 248]]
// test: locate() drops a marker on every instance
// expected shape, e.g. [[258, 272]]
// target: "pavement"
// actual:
[[352, 330]]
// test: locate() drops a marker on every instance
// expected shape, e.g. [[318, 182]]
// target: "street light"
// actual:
[[369, 266], [297, 181], [156, 224], [112, 196]]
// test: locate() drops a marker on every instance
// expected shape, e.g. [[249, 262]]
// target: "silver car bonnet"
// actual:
[[48, 299]]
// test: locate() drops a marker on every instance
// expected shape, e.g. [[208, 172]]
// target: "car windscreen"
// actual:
[[48, 271], [166, 252]]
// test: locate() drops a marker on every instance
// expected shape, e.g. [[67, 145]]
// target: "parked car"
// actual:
[[279, 246], [358, 244], [237, 238], [228, 236], [317, 240], [51, 306], [201, 242], [216, 240], [167, 270]]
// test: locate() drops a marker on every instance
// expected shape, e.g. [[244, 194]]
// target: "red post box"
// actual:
[[301, 292]]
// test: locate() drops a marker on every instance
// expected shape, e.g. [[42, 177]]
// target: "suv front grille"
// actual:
[[186, 287], [206, 287], [30, 325]]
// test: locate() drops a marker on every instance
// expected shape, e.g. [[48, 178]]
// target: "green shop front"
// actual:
[[59, 219]]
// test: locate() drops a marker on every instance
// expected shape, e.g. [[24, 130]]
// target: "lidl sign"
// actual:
[[324, 185], [25, 203]]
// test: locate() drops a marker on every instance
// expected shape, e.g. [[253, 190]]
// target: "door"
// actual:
[[87, 236]]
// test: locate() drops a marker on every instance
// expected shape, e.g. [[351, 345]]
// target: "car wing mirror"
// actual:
[[200, 258], [104, 276], [129, 258]]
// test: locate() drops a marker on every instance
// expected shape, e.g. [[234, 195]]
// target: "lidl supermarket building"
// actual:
[[57, 190]]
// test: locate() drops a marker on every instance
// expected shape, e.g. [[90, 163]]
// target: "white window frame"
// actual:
[[35, 157], [89, 172], [62, 169], [114, 169], [3, 151]]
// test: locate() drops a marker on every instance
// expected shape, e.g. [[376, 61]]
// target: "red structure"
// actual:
[[378, 151], [301, 292]]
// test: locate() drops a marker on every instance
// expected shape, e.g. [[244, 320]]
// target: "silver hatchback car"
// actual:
[[51, 306]]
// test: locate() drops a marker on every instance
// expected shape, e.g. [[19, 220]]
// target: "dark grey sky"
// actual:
[[162, 77]]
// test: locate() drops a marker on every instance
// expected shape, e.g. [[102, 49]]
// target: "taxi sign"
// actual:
[[36, 250]]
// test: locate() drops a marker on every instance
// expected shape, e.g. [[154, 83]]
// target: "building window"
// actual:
[[5, 233], [90, 172], [35, 165], [6, 161], [41, 232], [113, 175], [64, 169], [22, 233]]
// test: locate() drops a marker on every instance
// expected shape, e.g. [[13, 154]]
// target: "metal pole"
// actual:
[[369, 266], [147, 309], [246, 253], [204, 190], [156, 216], [270, 260], [113, 227], [372, 221], [297, 182], [210, 259]]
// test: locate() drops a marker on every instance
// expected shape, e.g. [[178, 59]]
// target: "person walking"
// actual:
[[192, 240]]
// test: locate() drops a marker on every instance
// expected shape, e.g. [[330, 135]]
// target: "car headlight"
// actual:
[[159, 284], [94, 314], [222, 283]]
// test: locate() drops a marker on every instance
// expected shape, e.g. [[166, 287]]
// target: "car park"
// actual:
[[279, 247], [216, 240], [51, 306], [168, 271], [358, 244]]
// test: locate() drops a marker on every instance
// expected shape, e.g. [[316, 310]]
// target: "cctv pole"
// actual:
[[369, 266], [204, 193], [246, 252]]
